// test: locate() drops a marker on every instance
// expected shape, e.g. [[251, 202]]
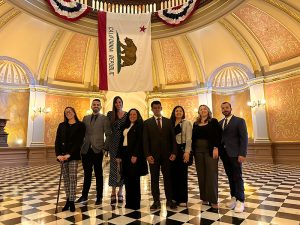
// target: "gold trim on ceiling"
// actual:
[[244, 44], [2, 2], [11, 14], [286, 8]]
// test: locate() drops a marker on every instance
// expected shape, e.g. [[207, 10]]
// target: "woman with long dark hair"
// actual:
[[68, 142], [183, 132], [131, 156], [206, 142], [117, 118]]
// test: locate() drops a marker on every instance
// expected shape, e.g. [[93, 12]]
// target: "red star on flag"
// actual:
[[143, 29]]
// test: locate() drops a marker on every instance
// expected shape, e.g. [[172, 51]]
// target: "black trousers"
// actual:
[[131, 175], [164, 164], [179, 176], [233, 171], [89, 161]]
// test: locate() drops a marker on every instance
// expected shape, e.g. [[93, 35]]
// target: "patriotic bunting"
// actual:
[[176, 15], [68, 9]]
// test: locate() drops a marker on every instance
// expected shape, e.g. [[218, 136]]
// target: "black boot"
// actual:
[[67, 205], [72, 206]]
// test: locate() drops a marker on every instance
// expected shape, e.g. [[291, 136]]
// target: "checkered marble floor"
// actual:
[[28, 196]]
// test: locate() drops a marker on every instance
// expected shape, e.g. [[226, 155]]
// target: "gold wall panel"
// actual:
[[189, 103], [14, 106], [174, 65], [279, 43], [283, 107], [239, 107], [58, 103], [71, 66]]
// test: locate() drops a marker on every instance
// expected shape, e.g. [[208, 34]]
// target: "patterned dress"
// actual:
[[113, 149]]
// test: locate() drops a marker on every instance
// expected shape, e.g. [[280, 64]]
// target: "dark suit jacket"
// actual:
[[135, 146], [73, 145], [159, 143], [235, 137], [214, 135]]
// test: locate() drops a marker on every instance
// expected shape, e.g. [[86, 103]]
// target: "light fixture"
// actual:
[[41, 109], [257, 103]]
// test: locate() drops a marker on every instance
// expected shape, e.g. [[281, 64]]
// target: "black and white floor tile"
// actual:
[[28, 196]]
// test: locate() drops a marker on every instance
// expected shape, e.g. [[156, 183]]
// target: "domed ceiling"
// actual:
[[223, 45]]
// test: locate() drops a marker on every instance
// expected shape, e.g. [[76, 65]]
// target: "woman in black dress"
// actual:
[[205, 144], [68, 142], [131, 156], [117, 118]]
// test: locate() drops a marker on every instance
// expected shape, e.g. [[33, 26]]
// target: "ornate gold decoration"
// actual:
[[8, 16], [48, 54], [286, 8], [243, 43], [2, 2], [57, 103], [283, 106], [12, 73], [71, 66], [238, 108], [174, 66], [231, 76], [278, 42]]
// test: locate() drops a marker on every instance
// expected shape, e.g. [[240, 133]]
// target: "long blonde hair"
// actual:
[[208, 117]]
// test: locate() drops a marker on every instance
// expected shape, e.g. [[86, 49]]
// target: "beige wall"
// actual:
[[14, 106], [58, 103], [239, 107], [283, 107]]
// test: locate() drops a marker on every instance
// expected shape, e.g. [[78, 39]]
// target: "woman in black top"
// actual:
[[130, 153], [69, 138], [205, 144]]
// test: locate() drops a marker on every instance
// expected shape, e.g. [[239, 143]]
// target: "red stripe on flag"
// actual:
[[102, 51]]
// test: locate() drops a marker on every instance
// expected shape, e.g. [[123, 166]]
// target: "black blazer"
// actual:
[[235, 137], [74, 143], [135, 146], [214, 135], [159, 143]]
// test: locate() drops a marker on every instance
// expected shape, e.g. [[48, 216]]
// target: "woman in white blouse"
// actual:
[[183, 132], [130, 154]]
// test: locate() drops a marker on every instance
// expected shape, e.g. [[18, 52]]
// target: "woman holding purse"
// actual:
[[183, 132]]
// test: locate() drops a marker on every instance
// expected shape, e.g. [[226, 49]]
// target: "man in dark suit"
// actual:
[[160, 149], [92, 150], [233, 153]]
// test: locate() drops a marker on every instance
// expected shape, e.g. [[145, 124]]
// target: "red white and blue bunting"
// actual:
[[176, 15], [68, 9]]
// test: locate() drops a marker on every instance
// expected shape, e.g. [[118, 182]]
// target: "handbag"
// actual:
[[182, 148]]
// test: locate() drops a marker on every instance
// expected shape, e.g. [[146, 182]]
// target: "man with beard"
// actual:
[[233, 153], [93, 149]]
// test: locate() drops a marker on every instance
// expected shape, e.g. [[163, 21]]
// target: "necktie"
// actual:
[[158, 123], [225, 123]]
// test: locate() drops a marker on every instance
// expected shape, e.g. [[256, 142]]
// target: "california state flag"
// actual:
[[125, 52]]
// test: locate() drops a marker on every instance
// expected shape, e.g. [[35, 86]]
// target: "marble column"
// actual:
[[36, 117]]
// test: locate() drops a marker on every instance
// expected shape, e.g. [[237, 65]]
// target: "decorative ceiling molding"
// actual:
[[286, 8], [48, 55], [11, 14], [202, 17], [244, 44], [2, 2], [278, 43]]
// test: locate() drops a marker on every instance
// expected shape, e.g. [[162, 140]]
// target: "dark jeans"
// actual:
[[179, 178], [89, 161], [233, 170]]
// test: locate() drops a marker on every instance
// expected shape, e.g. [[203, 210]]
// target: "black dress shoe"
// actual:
[[171, 204], [67, 206], [82, 200], [98, 201], [155, 205], [72, 206]]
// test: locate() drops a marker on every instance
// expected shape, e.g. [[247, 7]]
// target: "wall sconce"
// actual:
[[41, 110], [256, 103]]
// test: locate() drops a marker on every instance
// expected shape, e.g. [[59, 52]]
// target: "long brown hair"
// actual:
[[66, 120], [208, 117], [114, 109], [173, 118]]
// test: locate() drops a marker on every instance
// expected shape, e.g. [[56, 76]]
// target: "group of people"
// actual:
[[166, 144]]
